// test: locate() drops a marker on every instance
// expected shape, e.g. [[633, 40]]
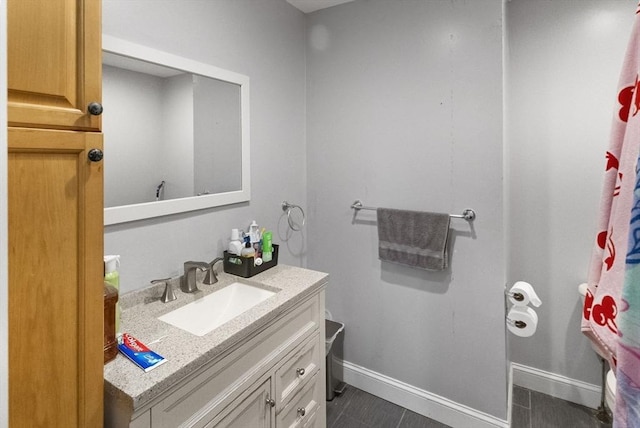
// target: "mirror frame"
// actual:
[[127, 213]]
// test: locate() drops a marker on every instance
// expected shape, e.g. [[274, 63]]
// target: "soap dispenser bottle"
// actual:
[[235, 245], [248, 250], [112, 276], [110, 343]]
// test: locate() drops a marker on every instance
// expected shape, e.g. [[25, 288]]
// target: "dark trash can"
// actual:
[[334, 348]]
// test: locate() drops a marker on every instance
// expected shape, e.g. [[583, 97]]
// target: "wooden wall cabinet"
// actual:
[[54, 63], [55, 214]]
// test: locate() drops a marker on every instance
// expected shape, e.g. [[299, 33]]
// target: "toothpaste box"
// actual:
[[138, 352]]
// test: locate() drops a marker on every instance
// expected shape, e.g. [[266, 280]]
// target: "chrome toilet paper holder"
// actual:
[[521, 294], [519, 297], [516, 296], [517, 324]]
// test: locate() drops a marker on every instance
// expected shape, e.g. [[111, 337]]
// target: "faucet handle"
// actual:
[[211, 277], [168, 295]]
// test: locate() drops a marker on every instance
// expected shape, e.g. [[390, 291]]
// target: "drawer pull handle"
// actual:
[[301, 411], [300, 371], [271, 402]]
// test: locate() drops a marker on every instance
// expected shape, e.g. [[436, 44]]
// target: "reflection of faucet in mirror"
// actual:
[[211, 277], [188, 280], [158, 189]]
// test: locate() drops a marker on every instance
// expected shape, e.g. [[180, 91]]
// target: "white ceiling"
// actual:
[[308, 6]]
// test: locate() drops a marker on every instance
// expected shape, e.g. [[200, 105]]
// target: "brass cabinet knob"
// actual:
[[300, 371]]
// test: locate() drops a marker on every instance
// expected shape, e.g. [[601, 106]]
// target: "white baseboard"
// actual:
[[586, 394], [418, 400]]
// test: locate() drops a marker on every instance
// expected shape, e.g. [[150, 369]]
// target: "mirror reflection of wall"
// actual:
[[217, 152], [166, 125]]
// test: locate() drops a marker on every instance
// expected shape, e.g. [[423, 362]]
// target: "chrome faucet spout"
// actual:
[[211, 277], [188, 280]]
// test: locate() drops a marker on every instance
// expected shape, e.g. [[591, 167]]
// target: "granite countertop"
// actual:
[[184, 351]]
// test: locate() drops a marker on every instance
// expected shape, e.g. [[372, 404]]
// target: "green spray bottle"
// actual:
[[112, 276]]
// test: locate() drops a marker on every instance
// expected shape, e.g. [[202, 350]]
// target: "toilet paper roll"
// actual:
[[522, 321], [522, 293]]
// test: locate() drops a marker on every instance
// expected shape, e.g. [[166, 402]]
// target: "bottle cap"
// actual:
[[235, 235], [111, 263]]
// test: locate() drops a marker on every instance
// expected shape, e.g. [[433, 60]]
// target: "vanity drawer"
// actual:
[[313, 421], [302, 410], [298, 368], [209, 391]]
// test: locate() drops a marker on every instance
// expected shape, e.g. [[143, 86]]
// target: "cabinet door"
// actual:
[[252, 411], [54, 63], [55, 279]]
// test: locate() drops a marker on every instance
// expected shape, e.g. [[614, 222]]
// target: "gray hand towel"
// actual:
[[413, 238]]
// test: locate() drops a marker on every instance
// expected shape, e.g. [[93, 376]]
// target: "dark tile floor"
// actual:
[[359, 409], [533, 409]]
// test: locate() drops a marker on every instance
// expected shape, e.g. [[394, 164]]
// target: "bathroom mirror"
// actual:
[[176, 133]]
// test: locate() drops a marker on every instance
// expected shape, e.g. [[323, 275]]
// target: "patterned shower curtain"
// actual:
[[611, 315]]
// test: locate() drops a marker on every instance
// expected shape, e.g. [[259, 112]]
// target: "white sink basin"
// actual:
[[205, 314]]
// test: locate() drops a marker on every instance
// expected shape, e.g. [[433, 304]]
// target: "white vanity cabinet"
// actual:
[[299, 406], [251, 411], [275, 378]]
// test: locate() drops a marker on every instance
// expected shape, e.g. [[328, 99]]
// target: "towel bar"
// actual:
[[467, 214]]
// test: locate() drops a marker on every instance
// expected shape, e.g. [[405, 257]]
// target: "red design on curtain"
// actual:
[[626, 98], [612, 162]]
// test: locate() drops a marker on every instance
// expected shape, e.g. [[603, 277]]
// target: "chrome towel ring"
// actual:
[[286, 206]]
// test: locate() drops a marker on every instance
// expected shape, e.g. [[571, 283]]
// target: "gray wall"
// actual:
[[405, 111], [563, 67], [177, 143], [222, 136], [262, 39]]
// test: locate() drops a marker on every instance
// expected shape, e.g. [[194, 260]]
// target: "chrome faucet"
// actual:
[[188, 280], [211, 277]]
